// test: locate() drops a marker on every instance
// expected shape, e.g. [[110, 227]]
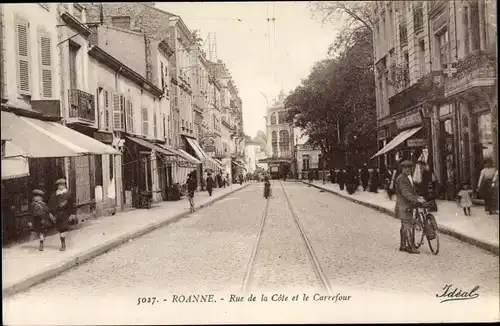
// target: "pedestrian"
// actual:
[[310, 176], [42, 218], [365, 177], [241, 179], [391, 187], [341, 177], [375, 181], [352, 181], [191, 186], [210, 184], [226, 180], [267, 188], [406, 200], [484, 185], [464, 198], [62, 206]]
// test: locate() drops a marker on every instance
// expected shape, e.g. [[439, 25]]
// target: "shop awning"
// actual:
[[218, 162], [188, 157], [239, 164], [15, 164], [197, 149], [151, 146], [400, 138], [40, 139]]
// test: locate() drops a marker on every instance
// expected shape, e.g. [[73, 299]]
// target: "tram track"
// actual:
[[313, 260]]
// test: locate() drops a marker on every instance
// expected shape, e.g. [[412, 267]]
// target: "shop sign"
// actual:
[[103, 137], [381, 134], [274, 168], [417, 142], [209, 150], [445, 110], [184, 164], [411, 120]]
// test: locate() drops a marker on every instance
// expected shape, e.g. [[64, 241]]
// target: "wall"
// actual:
[[126, 46], [38, 18]]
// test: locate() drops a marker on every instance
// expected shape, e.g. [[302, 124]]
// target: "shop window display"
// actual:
[[448, 160]]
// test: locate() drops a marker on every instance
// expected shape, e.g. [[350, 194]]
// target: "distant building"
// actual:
[[279, 133], [307, 157]]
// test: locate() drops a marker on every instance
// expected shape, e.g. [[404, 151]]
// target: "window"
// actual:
[[162, 76], [284, 143], [145, 125], [273, 118], [418, 18], [421, 57], [155, 126], [118, 112], [306, 160], [274, 142], [23, 56], [391, 27], [73, 55], [45, 42], [443, 44], [121, 22], [406, 72], [130, 116], [474, 30], [105, 95], [465, 17], [403, 34]]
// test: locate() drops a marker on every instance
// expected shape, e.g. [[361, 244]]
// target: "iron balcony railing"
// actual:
[[82, 105]]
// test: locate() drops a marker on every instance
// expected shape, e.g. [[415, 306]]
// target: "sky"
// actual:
[[261, 58]]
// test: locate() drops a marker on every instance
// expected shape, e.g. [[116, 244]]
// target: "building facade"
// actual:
[[435, 75], [306, 157], [280, 142]]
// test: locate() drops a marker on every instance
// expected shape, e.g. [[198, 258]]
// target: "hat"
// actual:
[[407, 163], [60, 181], [38, 192]]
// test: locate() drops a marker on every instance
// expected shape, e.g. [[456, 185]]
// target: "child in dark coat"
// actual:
[[42, 218]]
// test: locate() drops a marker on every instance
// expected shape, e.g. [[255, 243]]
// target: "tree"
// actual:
[[335, 104], [356, 17]]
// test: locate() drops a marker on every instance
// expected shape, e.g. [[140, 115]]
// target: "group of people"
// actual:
[[59, 211], [220, 181]]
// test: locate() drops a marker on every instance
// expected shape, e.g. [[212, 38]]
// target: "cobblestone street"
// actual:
[[209, 252]]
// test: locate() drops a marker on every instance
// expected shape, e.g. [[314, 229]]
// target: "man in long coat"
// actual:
[[210, 184], [365, 177], [406, 200]]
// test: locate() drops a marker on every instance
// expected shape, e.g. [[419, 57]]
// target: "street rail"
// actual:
[[318, 270]]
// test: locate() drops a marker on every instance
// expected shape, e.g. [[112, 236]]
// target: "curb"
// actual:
[[56, 269], [443, 229]]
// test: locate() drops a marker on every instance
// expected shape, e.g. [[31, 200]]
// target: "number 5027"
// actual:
[[145, 300]]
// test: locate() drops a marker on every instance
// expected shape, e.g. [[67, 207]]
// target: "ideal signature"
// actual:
[[450, 294]]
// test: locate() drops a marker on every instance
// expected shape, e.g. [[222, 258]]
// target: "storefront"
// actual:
[[405, 138], [45, 145], [476, 140]]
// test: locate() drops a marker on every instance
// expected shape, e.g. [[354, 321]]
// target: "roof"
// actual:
[[113, 63]]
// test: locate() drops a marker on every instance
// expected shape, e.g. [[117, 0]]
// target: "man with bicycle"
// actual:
[[406, 200], [191, 186]]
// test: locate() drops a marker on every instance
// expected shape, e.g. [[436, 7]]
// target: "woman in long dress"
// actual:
[[484, 185], [267, 188]]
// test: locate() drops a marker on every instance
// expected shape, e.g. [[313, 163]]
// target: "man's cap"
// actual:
[[38, 192], [407, 163], [61, 181]]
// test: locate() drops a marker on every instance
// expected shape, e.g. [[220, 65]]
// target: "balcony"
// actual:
[[477, 70], [435, 7], [427, 89], [81, 107]]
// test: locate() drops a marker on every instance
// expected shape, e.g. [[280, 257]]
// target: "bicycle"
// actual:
[[425, 225]]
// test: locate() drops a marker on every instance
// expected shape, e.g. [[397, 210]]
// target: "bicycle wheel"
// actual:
[[432, 234], [418, 231]]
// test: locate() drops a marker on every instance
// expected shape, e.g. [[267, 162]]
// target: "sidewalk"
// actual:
[[23, 265], [480, 229]]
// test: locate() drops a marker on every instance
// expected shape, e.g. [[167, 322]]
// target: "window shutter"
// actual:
[[144, 121], [117, 112], [130, 117], [23, 55], [155, 131], [162, 76], [106, 110], [45, 42]]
